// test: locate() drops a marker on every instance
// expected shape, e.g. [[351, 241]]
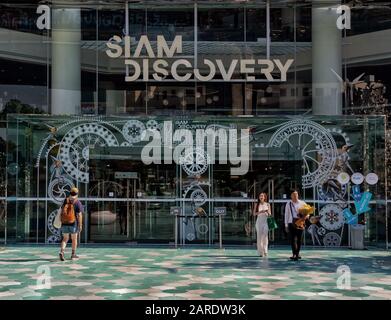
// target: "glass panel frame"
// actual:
[[31, 206]]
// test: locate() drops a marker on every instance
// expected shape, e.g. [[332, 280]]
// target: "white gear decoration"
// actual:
[[195, 163], [153, 125], [53, 239], [190, 236], [331, 217], [198, 196], [51, 227], [320, 150], [202, 228], [104, 188], [59, 188], [194, 185], [332, 240], [321, 231], [75, 146], [312, 230], [132, 131]]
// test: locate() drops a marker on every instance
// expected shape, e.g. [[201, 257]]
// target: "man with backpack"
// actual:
[[71, 222]]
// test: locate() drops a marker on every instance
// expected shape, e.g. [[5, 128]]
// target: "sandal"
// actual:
[[61, 255]]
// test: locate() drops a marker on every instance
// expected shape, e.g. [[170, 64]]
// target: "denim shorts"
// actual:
[[69, 229]]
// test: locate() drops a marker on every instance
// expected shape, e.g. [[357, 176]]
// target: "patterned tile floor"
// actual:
[[155, 273]]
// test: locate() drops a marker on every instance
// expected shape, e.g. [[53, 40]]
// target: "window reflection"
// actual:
[[366, 20], [221, 24], [110, 22], [170, 23], [219, 98], [282, 24], [170, 100], [303, 24], [255, 24], [19, 18], [137, 26]]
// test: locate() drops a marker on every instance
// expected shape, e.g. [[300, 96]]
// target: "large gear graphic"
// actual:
[[51, 227], [73, 122], [59, 188], [132, 131], [75, 146], [332, 240], [331, 217], [195, 162], [316, 144]]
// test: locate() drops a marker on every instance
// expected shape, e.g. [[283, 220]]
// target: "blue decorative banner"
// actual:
[[356, 193], [350, 218], [363, 205]]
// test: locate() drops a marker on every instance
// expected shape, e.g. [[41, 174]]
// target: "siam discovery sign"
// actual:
[[165, 65]]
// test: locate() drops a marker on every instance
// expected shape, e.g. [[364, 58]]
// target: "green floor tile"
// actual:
[[230, 273]]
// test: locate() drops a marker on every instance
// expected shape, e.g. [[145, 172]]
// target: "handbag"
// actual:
[[57, 220], [271, 223]]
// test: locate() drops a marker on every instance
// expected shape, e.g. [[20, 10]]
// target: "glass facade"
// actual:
[[57, 79], [129, 201]]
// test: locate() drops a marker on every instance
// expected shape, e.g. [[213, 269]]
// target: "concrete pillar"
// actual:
[[326, 56], [66, 68]]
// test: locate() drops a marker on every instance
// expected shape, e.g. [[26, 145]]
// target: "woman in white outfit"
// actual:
[[262, 211]]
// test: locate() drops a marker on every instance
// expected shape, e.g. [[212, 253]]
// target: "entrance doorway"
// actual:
[[118, 209]]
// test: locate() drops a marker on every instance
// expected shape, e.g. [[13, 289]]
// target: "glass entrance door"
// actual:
[[198, 223], [128, 201], [111, 205]]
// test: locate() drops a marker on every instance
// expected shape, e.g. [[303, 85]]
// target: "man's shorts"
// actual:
[[69, 229]]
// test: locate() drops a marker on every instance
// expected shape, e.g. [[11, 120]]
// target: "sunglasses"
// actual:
[[73, 194]]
